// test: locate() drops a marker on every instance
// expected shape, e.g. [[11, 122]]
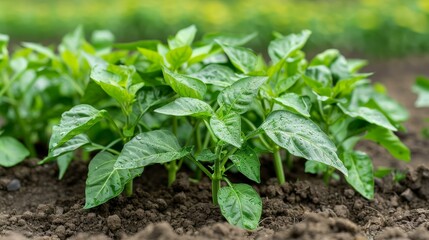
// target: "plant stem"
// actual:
[[216, 177], [172, 171], [204, 169], [278, 166], [129, 189]]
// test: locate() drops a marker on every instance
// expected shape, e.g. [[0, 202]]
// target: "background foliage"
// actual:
[[374, 27]]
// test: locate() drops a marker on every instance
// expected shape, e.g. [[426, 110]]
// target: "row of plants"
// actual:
[[211, 105], [352, 25]]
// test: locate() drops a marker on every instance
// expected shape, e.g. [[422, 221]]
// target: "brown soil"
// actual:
[[304, 208]]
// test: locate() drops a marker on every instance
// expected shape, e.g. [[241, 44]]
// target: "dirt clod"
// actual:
[[114, 222]]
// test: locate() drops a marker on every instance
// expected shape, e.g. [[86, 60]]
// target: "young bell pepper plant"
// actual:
[[216, 106], [421, 88]]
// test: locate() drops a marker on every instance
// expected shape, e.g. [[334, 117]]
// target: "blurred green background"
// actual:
[[366, 27]]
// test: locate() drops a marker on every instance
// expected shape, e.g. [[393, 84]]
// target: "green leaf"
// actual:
[[63, 163], [360, 169], [247, 162], [40, 49], [151, 55], [216, 75], [159, 146], [370, 115], [227, 128], [241, 205], [230, 39], [240, 95], [382, 172], [71, 145], [206, 156], [325, 58], [184, 37], [319, 78], [104, 182], [178, 56], [284, 84], [390, 141], [148, 97], [283, 47], [186, 107], [315, 167], [302, 138], [184, 85], [77, 120], [148, 44], [346, 86], [298, 104], [12, 151], [389, 107], [115, 81], [421, 87], [242, 58]]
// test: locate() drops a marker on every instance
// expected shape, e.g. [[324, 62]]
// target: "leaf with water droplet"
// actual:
[[247, 162], [104, 182], [87, 115], [241, 205], [301, 137], [159, 146]]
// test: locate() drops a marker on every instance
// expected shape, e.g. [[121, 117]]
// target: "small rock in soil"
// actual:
[[160, 231], [13, 185], [358, 204], [61, 231], [114, 222], [408, 195], [180, 198]]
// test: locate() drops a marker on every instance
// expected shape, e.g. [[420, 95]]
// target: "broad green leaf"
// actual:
[[184, 85], [325, 58], [148, 97], [227, 128], [284, 84], [240, 95], [346, 86], [12, 151], [389, 107], [71, 145], [200, 53], [242, 58], [206, 156], [302, 138], [360, 169], [102, 38], [319, 78], [390, 141], [104, 182], [148, 44], [40, 49], [356, 64], [241, 205], [186, 107], [299, 104], [421, 87], [382, 172], [178, 56], [184, 37], [216, 75], [151, 55], [63, 163], [230, 39], [77, 120], [340, 69], [315, 167], [283, 47], [247, 162], [370, 115], [159, 146], [115, 81]]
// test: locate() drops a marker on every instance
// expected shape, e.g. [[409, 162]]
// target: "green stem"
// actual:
[[289, 162], [204, 169], [216, 178], [129, 189], [172, 171], [278, 166], [209, 128]]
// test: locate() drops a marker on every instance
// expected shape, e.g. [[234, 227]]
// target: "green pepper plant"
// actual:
[[421, 88], [216, 106]]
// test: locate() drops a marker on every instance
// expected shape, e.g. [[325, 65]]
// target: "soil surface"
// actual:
[[35, 205]]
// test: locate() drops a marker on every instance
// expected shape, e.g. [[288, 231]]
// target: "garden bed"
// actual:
[[304, 208]]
